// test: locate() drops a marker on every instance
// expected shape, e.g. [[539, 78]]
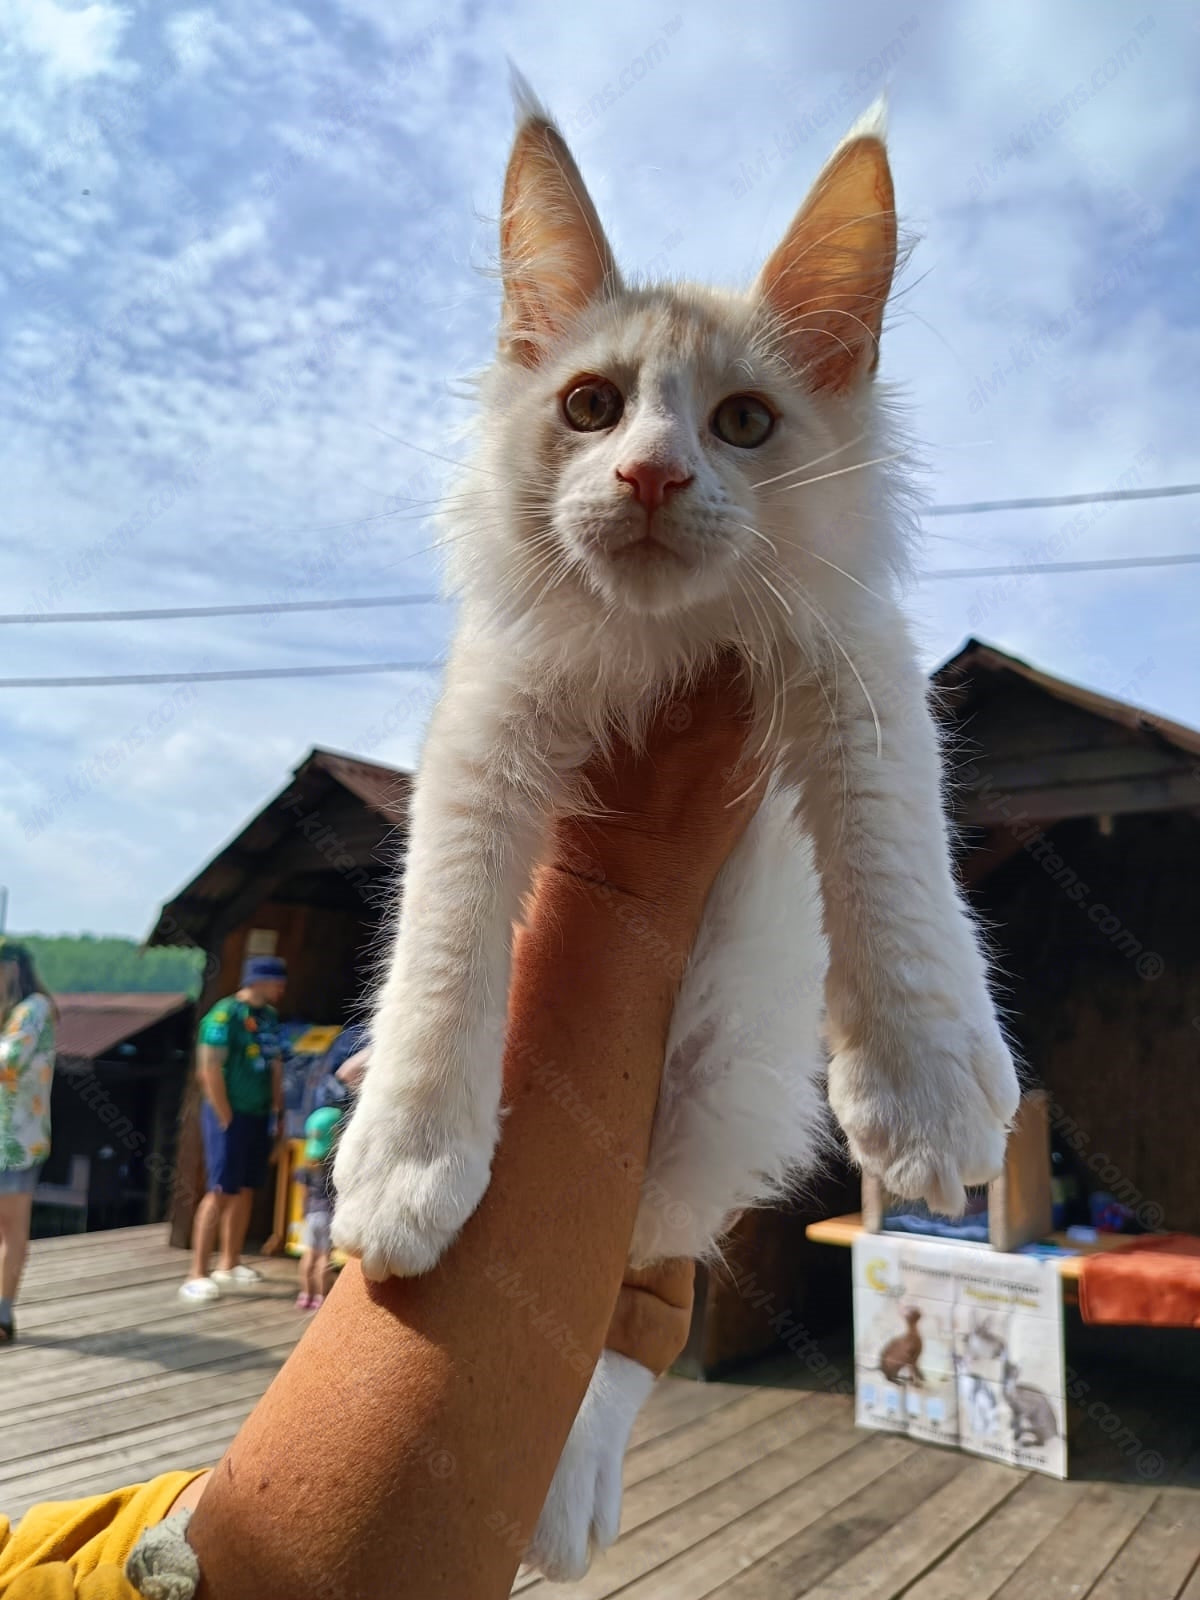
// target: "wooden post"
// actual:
[[187, 1188], [872, 1203], [1020, 1204], [281, 1171]]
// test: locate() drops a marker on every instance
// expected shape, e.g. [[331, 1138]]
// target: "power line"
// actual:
[[1111, 564], [348, 603], [252, 609], [974, 508], [969, 508], [236, 674], [366, 602], [223, 675]]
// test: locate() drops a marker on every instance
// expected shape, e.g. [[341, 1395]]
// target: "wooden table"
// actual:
[[844, 1230]]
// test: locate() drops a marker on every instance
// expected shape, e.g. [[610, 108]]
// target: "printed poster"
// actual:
[[961, 1345]]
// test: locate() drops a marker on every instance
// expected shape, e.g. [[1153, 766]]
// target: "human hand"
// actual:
[[354, 1069], [667, 816]]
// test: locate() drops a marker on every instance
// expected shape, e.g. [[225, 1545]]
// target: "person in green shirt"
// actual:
[[240, 1066]]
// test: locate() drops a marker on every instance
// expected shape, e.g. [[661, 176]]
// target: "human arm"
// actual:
[[210, 1065], [353, 1069], [431, 1411], [19, 1039], [21, 1032]]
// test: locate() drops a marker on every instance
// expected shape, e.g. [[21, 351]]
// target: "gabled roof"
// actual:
[[976, 659], [384, 789], [1033, 746], [319, 813], [89, 1026]]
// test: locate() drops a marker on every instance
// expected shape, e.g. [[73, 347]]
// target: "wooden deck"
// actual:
[[760, 1489]]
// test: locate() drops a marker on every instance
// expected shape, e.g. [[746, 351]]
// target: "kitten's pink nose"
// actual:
[[652, 482]]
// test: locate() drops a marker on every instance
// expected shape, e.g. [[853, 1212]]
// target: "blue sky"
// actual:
[[247, 253]]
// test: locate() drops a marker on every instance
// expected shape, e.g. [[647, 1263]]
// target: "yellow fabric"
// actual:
[[77, 1549]]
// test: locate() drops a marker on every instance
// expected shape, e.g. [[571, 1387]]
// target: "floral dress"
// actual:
[[26, 1073]]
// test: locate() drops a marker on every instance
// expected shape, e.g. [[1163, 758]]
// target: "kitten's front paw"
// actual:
[[927, 1106], [405, 1189], [582, 1513]]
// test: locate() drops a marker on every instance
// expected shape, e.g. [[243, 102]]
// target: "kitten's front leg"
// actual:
[[921, 1078], [414, 1161]]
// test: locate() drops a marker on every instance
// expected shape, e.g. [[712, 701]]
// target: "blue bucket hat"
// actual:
[[264, 969]]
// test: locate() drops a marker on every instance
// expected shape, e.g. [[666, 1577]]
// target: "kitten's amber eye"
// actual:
[[592, 406], [744, 420]]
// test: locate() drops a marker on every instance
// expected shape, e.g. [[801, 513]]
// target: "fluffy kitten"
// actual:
[[662, 472]]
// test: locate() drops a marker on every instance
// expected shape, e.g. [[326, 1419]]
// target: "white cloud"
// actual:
[[278, 256], [68, 44]]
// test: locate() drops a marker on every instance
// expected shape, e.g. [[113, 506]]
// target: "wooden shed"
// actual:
[[309, 878], [1081, 847]]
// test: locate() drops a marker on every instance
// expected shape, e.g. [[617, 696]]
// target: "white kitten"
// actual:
[[663, 472]]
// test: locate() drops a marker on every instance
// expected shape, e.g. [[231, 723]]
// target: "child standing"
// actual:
[[317, 1177]]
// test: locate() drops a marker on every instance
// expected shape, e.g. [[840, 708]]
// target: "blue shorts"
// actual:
[[235, 1157], [20, 1180]]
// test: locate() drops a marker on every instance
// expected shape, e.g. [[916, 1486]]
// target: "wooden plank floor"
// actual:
[[758, 1489], [113, 1379]]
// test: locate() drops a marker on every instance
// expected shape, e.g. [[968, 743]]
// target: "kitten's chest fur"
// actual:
[[600, 674]]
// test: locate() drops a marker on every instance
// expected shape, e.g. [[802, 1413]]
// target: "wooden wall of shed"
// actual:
[[1022, 752], [1100, 944], [326, 950]]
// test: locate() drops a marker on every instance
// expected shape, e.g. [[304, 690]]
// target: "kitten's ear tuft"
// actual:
[[554, 258], [525, 101], [828, 281], [873, 124]]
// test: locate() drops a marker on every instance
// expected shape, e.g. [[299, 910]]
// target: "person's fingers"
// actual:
[[667, 812], [693, 741]]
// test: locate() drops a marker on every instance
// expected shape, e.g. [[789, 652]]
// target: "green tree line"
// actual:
[[87, 964]]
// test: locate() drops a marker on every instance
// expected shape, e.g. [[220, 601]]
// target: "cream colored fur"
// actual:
[[570, 630]]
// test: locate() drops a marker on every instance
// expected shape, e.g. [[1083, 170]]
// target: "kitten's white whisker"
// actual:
[[817, 461], [840, 472], [807, 551], [761, 621], [451, 461], [775, 661], [796, 588], [840, 647], [787, 610], [758, 533]]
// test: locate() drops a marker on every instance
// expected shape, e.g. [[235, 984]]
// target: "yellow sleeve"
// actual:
[[77, 1549]]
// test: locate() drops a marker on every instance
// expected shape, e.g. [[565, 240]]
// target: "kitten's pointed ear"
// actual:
[[554, 258], [828, 281]]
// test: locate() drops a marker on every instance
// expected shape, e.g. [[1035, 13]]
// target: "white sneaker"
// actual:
[[197, 1290], [239, 1277]]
